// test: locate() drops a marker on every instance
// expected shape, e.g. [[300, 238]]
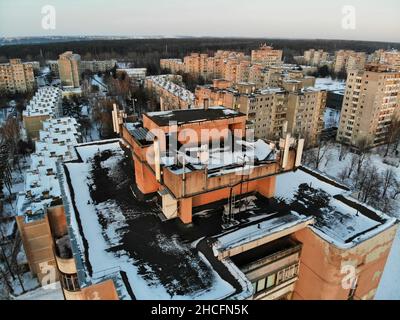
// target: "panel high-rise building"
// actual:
[[370, 103], [69, 69]]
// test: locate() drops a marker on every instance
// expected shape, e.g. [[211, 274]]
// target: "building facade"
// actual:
[[348, 60], [45, 104], [16, 76], [69, 69], [315, 57], [96, 66], [266, 56], [371, 101], [170, 91]]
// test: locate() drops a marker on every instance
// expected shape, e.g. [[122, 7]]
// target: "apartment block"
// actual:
[[170, 91], [315, 57], [37, 224], [16, 76], [53, 65], [267, 56], [45, 104], [137, 76], [305, 113], [230, 65], [292, 106], [97, 65], [255, 232], [371, 100], [390, 58], [348, 60], [69, 69], [172, 65]]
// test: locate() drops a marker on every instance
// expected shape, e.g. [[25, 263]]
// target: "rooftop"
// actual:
[[45, 102], [117, 233], [41, 186], [163, 118]]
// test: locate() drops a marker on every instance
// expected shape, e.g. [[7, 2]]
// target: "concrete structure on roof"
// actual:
[[16, 76], [371, 101], [69, 69], [170, 91], [45, 104]]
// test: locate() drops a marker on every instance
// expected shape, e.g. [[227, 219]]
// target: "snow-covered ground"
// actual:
[[51, 292], [331, 118], [329, 84]]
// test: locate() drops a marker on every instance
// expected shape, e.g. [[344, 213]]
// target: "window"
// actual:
[[70, 282], [271, 281], [261, 285]]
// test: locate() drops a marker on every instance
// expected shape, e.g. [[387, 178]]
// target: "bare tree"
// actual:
[[392, 134], [389, 179], [362, 152]]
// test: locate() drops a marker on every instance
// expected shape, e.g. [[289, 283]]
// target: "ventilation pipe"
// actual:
[[157, 159], [286, 152], [299, 153], [206, 104]]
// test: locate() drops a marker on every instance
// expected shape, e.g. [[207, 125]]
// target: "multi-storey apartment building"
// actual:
[[293, 106], [267, 56], [53, 65], [305, 113], [348, 60], [36, 222], [98, 65], [69, 69], [315, 57], [255, 231], [371, 100], [170, 91], [137, 76], [16, 76], [229, 65], [45, 104], [172, 65], [390, 58]]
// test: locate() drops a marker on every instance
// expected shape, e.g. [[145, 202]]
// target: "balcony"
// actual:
[[64, 257], [272, 268]]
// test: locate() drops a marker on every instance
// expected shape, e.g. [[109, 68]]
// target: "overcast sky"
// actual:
[[375, 19]]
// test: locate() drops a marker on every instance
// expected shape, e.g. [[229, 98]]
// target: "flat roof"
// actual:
[[117, 232], [163, 118], [114, 229]]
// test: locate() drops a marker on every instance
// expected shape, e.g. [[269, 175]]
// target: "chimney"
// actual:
[[206, 104]]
